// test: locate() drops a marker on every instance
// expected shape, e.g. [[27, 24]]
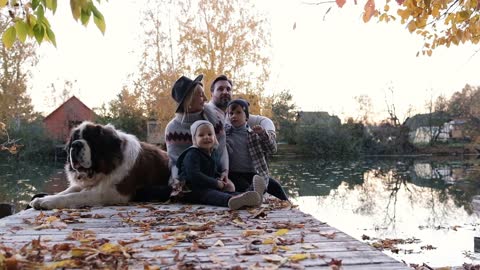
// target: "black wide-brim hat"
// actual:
[[182, 87]]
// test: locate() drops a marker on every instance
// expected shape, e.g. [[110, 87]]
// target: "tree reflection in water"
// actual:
[[392, 198], [19, 181]]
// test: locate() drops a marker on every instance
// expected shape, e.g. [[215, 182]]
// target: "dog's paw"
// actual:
[[45, 203]]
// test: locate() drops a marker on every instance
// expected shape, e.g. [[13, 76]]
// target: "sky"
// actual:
[[326, 61]]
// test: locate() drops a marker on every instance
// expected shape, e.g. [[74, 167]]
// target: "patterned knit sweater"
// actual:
[[178, 137]]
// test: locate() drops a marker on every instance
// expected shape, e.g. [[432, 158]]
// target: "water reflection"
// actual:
[[19, 181], [431, 200]]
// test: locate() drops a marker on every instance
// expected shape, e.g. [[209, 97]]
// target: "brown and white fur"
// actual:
[[106, 166]]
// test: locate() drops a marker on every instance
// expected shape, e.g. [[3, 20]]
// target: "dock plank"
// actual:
[[178, 236]]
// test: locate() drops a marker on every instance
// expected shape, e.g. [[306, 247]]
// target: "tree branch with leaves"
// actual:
[[28, 19], [9, 145], [439, 22]]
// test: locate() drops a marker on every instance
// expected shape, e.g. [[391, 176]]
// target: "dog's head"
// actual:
[[93, 148]]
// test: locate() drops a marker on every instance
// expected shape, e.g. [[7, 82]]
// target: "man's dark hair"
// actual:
[[220, 78]]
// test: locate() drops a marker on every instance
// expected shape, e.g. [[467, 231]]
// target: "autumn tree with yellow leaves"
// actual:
[[439, 22], [227, 37], [14, 74], [209, 37]]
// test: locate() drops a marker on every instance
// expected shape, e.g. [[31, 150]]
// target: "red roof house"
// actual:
[[67, 116]]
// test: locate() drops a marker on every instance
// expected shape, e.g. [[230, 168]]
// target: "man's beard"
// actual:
[[222, 103]]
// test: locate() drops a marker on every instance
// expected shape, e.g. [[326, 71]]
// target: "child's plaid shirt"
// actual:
[[259, 146]]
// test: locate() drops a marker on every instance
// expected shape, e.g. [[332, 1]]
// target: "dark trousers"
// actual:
[[243, 182], [153, 194], [209, 196]]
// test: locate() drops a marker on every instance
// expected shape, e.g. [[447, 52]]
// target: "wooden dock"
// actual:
[[178, 236]]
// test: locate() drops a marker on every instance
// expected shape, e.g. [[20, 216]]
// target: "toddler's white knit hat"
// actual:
[[194, 127]]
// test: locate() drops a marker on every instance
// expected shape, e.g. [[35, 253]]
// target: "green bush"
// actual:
[[331, 141], [35, 144]]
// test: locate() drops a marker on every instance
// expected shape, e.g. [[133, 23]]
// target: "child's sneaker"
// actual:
[[259, 186], [249, 198]]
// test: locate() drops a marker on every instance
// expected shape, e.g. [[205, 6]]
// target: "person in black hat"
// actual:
[[190, 98]]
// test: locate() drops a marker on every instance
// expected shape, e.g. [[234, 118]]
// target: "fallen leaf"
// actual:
[[80, 252], [219, 243], [275, 258], [248, 233], [268, 241], [63, 264], [298, 257], [329, 235], [335, 264], [281, 232], [164, 247], [308, 246]]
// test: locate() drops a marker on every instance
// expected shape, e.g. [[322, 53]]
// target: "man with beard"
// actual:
[[221, 92]]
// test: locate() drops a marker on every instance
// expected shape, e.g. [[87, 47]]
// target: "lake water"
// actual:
[[428, 203]]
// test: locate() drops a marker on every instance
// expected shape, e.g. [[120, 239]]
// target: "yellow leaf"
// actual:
[[281, 232], [180, 236], [462, 16], [49, 4], [298, 257], [411, 26], [51, 219], [2, 258], [435, 11], [100, 23], [80, 252], [285, 248], [51, 37], [386, 8], [76, 9], [3, 3], [403, 13], [268, 241], [238, 221], [22, 30], [110, 248], [9, 36], [62, 264]]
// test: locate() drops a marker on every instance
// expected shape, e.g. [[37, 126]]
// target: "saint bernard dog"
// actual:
[[106, 166]]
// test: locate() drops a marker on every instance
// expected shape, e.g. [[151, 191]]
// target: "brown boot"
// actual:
[[249, 198]]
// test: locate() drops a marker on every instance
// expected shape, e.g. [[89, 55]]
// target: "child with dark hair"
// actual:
[[198, 166], [248, 148]]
